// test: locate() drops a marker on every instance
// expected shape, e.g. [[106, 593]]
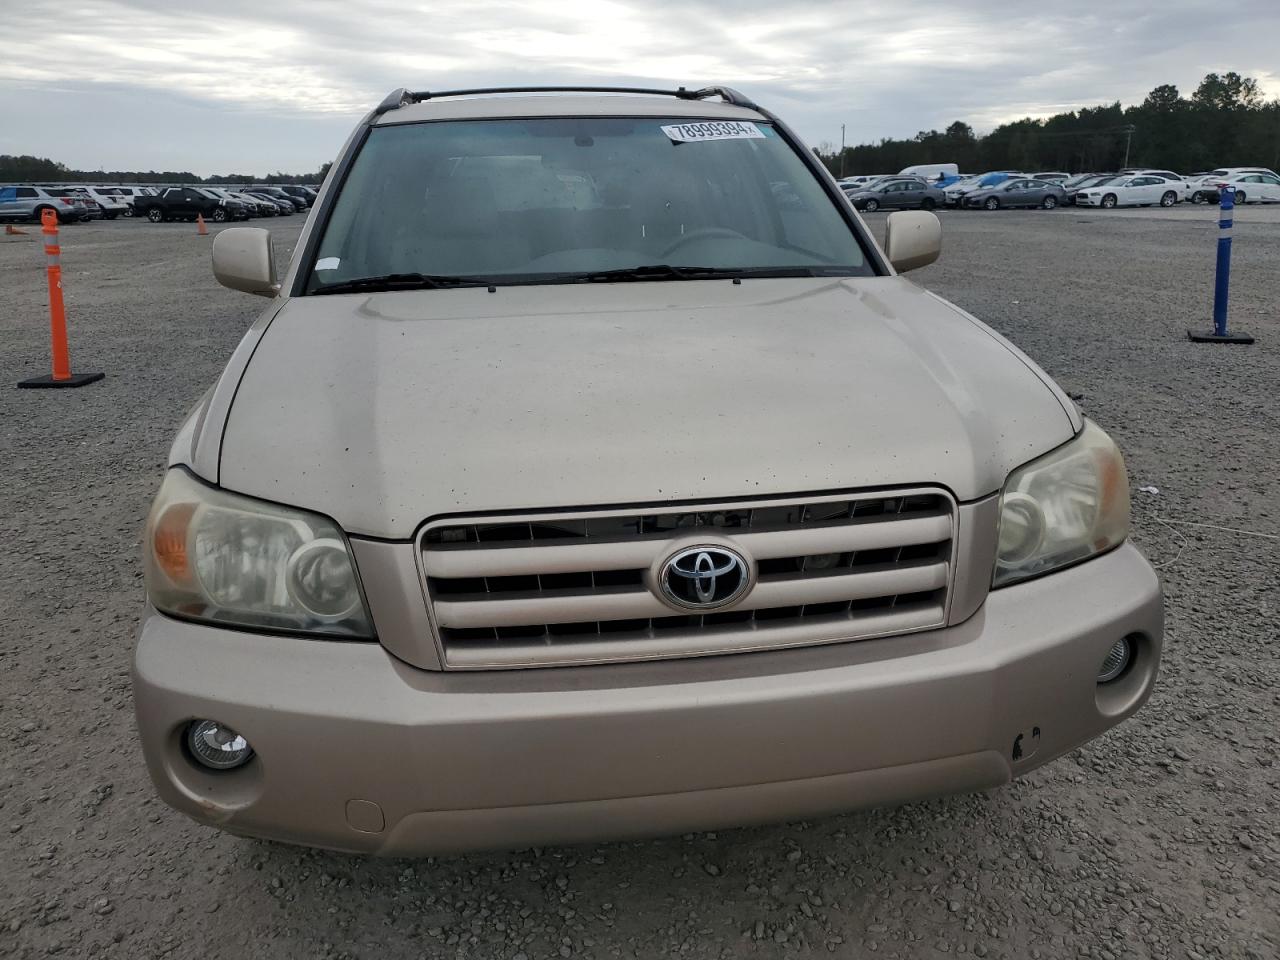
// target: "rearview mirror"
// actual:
[[912, 239], [242, 260]]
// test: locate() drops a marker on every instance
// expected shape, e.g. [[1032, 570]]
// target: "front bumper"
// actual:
[[358, 751]]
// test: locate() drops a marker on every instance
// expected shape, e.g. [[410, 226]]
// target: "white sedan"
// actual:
[[1140, 191], [1253, 187]]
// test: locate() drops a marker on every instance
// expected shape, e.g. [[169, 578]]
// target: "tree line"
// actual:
[[1225, 122], [28, 169]]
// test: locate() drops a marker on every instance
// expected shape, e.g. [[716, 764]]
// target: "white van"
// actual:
[[931, 171]]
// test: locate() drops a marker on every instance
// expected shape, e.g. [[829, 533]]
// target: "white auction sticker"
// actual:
[[713, 130]]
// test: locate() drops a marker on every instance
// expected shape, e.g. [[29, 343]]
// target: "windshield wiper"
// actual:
[[399, 281], [665, 271]]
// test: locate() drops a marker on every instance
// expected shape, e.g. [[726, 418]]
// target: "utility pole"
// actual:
[[842, 150], [1128, 137]]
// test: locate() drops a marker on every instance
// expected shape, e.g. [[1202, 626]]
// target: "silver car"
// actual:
[[898, 194], [576, 482], [26, 202]]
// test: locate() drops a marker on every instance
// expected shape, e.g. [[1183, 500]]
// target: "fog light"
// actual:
[[217, 746], [1117, 659]]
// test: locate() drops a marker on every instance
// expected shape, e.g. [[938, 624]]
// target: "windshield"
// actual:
[[555, 200]]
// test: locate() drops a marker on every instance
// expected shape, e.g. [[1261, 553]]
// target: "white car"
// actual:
[[110, 200], [1144, 190], [1252, 187], [1184, 183], [1205, 188]]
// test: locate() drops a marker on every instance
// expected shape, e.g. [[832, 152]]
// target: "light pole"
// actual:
[[842, 150]]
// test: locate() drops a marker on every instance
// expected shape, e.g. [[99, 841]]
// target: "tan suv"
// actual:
[[593, 473]]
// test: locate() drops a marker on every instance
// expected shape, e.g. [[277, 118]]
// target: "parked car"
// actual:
[[298, 192], [930, 172], [250, 207], [186, 203], [1053, 176], [1139, 191], [899, 194], [409, 594], [284, 206], [890, 178], [1260, 187], [112, 203], [131, 194], [1017, 192], [28, 202], [1074, 186], [265, 207], [956, 193], [297, 203], [1182, 184], [108, 206], [849, 183], [94, 209]]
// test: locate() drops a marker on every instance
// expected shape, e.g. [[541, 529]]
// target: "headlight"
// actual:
[[1065, 507], [217, 556]]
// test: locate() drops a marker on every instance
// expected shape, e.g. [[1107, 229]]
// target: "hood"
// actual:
[[384, 410]]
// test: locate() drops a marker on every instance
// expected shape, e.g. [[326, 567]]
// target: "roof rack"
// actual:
[[401, 97]]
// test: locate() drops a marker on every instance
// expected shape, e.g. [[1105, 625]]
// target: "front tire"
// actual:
[[928, 203], [219, 215], [991, 203], [155, 215], [1109, 201], [871, 206], [1168, 199], [1049, 203]]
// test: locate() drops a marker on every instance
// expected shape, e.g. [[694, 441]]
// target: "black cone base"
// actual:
[[1208, 336], [48, 383]]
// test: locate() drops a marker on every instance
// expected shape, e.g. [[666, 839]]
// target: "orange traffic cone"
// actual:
[[12, 231], [201, 229]]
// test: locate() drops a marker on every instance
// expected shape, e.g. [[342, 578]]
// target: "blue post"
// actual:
[[1226, 217], [1222, 282]]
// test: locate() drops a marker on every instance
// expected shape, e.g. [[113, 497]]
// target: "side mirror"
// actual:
[[912, 239], [242, 261]]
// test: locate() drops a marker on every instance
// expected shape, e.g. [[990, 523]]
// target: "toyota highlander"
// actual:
[[592, 472]]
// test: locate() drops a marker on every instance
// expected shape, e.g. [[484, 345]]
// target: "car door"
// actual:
[[26, 199], [1035, 192], [1268, 187], [8, 202], [888, 195], [911, 194], [1145, 190], [1014, 193]]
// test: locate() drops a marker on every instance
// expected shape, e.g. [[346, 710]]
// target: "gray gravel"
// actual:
[[1160, 839]]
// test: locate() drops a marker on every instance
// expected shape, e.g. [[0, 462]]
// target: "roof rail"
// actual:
[[398, 98], [394, 101]]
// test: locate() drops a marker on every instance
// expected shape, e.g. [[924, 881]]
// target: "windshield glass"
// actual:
[[549, 200]]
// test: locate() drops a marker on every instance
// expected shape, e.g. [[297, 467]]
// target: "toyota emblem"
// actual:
[[704, 577]]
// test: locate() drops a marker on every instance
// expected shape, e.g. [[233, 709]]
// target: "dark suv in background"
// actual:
[[281, 194]]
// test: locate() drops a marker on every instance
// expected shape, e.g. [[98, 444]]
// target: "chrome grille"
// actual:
[[564, 588]]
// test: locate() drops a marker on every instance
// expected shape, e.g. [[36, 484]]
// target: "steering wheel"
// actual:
[[704, 233]]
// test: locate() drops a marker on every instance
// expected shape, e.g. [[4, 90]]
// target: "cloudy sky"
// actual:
[[257, 86]]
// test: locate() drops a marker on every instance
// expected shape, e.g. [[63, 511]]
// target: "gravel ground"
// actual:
[[1160, 839]]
